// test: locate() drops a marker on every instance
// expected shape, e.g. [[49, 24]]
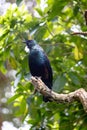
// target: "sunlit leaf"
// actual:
[[12, 99], [13, 62], [78, 53]]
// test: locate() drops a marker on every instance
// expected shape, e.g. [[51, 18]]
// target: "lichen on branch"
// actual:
[[78, 95]]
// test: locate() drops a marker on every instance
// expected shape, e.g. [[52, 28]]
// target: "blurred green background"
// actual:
[[51, 24]]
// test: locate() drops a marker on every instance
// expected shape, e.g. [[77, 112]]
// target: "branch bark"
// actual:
[[79, 95], [80, 33]]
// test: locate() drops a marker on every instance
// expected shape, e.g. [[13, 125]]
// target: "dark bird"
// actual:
[[39, 64]]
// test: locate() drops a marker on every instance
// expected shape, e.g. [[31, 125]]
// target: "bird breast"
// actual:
[[36, 57]]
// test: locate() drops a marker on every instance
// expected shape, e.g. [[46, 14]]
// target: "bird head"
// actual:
[[30, 43]]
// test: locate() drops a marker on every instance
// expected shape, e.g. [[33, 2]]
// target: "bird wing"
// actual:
[[48, 70]]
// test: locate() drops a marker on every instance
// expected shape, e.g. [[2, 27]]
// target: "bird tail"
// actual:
[[46, 99], [49, 85]]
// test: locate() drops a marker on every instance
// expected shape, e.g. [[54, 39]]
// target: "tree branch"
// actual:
[[79, 95], [80, 33]]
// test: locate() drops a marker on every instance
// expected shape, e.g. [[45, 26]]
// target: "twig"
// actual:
[[80, 33], [79, 95]]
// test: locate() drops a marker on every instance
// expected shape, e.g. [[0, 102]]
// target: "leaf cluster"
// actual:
[[51, 26]]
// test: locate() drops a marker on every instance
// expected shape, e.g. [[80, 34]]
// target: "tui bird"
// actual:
[[39, 64]]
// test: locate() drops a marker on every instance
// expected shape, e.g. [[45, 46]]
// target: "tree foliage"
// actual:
[[51, 28]]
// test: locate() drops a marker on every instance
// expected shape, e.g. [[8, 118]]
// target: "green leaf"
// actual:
[[40, 33], [18, 2], [12, 99], [22, 109], [13, 62], [74, 78], [59, 83], [56, 10]]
